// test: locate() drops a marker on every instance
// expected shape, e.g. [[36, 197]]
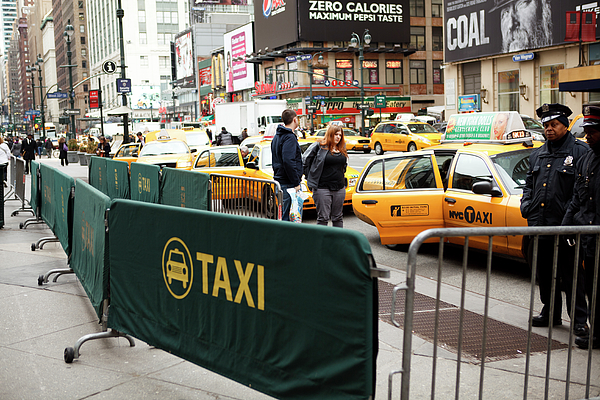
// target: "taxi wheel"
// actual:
[[378, 149], [411, 147], [269, 208]]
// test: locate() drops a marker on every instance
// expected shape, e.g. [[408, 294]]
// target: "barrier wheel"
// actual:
[[69, 355], [32, 246], [40, 280], [269, 206], [20, 224]]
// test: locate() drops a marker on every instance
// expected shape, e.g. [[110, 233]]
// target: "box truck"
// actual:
[[254, 115]]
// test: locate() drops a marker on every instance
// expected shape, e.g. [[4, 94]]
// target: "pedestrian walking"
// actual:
[[63, 149], [224, 138], [103, 149], [16, 148], [287, 159], [39, 147], [141, 139], [325, 163], [29, 150], [4, 158], [583, 210], [49, 147], [547, 193]]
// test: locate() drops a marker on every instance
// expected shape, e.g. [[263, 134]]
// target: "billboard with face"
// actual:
[[239, 75], [184, 60], [145, 96], [471, 27]]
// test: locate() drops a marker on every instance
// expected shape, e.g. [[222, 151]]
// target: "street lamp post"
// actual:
[[311, 77], [11, 118], [39, 63], [30, 70], [120, 15], [69, 31], [355, 41]]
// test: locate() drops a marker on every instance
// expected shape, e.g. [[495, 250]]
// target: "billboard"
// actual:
[[471, 27], [184, 59], [145, 96], [239, 75], [223, 2], [386, 20]]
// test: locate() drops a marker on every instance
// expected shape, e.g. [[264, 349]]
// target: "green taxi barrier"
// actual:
[[186, 189], [117, 179], [35, 188], [240, 297], [97, 174], [89, 258], [145, 182], [63, 184], [47, 198]]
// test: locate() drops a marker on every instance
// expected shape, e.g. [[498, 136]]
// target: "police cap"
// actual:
[[548, 112], [591, 116]]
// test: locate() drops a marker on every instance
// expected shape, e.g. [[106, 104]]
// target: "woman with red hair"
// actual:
[[324, 165]]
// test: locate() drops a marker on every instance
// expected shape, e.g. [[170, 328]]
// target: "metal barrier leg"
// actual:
[[40, 243], [71, 353], [61, 271], [30, 221]]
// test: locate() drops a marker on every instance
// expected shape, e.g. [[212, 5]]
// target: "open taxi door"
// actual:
[[401, 196]]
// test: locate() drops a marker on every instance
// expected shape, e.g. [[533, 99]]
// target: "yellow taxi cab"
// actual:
[[576, 128], [354, 141], [197, 139], [468, 181], [228, 160], [128, 152], [403, 136], [167, 148]]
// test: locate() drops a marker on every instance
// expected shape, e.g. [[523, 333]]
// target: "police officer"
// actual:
[[546, 196], [584, 211]]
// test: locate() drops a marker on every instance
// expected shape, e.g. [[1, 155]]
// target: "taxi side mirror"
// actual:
[[193, 150], [251, 164], [486, 187], [134, 153]]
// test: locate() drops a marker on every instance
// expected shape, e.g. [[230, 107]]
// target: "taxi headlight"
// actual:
[[352, 182], [184, 164], [304, 187]]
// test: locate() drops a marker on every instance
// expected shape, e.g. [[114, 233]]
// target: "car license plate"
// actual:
[[365, 146]]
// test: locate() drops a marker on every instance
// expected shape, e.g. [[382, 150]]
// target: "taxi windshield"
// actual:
[[161, 148], [421, 128], [512, 168], [197, 139]]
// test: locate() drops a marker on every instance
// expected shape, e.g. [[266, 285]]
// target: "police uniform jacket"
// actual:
[[584, 209], [550, 180]]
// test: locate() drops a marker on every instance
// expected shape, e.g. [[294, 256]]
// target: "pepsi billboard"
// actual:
[[330, 20]]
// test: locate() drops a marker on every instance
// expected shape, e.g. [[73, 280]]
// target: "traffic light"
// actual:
[[36, 126]]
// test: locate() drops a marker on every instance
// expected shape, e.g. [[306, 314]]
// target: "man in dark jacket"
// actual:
[[29, 149], [583, 210], [224, 138], [546, 196], [287, 159]]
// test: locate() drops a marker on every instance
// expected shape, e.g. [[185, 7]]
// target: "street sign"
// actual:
[[37, 120], [32, 112], [123, 85], [72, 112], [380, 101], [362, 107], [93, 98], [300, 57], [109, 67], [57, 95], [311, 107]]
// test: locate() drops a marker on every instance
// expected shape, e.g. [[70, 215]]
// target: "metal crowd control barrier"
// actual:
[[35, 199], [11, 179], [410, 289], [20, 188], [245, 196]]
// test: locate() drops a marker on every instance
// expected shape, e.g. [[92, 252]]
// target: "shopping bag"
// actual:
[[295, 208]]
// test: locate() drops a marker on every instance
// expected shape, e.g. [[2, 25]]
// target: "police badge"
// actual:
[[569, 161]]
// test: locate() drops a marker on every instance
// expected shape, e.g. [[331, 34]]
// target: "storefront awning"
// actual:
[[208, 118], [580, 79]]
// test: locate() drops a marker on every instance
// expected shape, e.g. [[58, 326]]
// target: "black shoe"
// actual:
[[584, 343], [543, 321], [580, 330]]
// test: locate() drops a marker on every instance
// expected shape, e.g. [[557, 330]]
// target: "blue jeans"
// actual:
[[287, 203]]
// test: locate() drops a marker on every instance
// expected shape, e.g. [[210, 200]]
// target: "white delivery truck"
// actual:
[[254, 115]]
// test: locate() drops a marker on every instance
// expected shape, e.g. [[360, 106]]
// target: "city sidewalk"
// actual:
[[40, 321]]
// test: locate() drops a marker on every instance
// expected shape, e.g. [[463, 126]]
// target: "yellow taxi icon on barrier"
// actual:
[[176, 268]]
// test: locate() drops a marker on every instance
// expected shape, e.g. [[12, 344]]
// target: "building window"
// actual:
[[83, 64], [436, 8], [83, 53], [438, 73], [417, 37], [344, 70], [164, 61], [549, 84], [159, 17], [82, 39], [162, 38], [269, 75], [174, 17], [417, 8], [417, 72], [141, 16], [472, 78], [437, 39], [82, 28], [508, 91], [319, 75], [143, 38], [280, 74], [393, 72], [81, 16], [293, 76], [144, 62], [371, 71]]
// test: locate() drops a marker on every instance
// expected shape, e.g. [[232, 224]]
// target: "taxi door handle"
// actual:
[[369, 202], [450, 200]]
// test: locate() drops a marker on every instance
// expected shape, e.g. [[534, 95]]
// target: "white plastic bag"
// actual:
[[297, 199]]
